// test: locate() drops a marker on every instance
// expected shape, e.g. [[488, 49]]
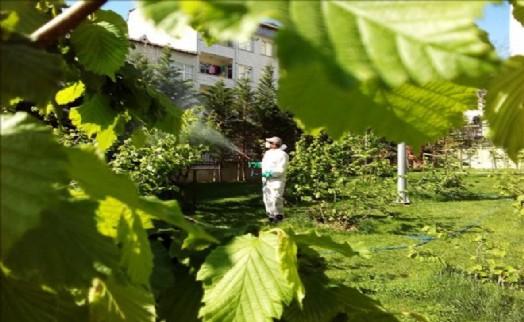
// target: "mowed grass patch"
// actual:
[[226, 205], [424, 283], [403, 283]]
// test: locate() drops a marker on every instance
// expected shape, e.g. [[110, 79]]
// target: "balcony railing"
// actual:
[[224, 71]]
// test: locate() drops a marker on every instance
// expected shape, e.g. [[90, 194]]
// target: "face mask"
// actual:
[[268, 145]]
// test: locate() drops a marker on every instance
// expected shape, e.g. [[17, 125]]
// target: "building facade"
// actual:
[[484, 155], [205, 65]]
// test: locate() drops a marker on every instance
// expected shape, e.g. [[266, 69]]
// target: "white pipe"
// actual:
[[401, 172]]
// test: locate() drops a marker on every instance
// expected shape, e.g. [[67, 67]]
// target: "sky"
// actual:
[[495, 21]]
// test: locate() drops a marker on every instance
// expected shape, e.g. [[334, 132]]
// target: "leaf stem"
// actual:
[[67, 20]]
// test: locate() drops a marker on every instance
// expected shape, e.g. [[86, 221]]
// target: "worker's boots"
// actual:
[[274, 219]]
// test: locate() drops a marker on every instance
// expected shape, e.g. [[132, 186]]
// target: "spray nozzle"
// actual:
[[254, 164]]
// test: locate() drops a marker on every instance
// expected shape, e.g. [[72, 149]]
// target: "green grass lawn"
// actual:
[[403, 277]]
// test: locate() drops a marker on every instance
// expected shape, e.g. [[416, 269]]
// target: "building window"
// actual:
[[266, 48], [248, 45], [228, 44], [186, 72], [245, 71]]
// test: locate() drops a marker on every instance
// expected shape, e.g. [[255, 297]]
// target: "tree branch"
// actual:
[[67, 20]]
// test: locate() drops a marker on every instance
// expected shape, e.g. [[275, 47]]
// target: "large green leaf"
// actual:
[[70, 93], [29, 17], [324, 301], [28, 73], [97, 180], [518, 10], [222, 19], [437, 105], [21, 301], [320, 304], [368, 40], [113, 18], [101, 46], [136, 258], [8, 24], [313, 238], [170, 212], [162, 277], [243, 281], [32, 163], [96, 117], [126, 225], [287, 252], [505, 107], [380, 71], [71, 229], [114, 301], [411, 113], [181, 302], [110, 212], [188, 256], [362, 308]]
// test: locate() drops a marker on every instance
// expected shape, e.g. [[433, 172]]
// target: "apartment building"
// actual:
[[205, 64]]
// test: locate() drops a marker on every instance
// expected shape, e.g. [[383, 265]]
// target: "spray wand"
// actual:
[[244, 155], [251, 164]]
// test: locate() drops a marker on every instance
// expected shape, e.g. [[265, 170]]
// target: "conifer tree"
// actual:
[[273, 120], [246, 123], [165, 76], [218, 101]]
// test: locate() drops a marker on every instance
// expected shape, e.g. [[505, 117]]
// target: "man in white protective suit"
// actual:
[[274, 165]]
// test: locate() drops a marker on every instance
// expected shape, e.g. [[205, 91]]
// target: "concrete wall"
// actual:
[[216, 49], [209, 80], [488, 158], [256, 59], [154, 53]]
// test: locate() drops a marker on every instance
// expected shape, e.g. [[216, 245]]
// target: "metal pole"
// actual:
[[401, 172]]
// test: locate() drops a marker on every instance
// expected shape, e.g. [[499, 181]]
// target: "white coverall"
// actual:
[[275, 161]]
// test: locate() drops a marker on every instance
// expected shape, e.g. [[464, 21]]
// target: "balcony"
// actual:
[[215, 67], [224, 49]]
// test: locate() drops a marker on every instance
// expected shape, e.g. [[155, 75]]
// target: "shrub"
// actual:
[[440, 184], [160, 165], [510, 185], [342, 178]]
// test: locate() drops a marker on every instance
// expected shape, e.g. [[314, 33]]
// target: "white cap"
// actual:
[[276, 140]]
